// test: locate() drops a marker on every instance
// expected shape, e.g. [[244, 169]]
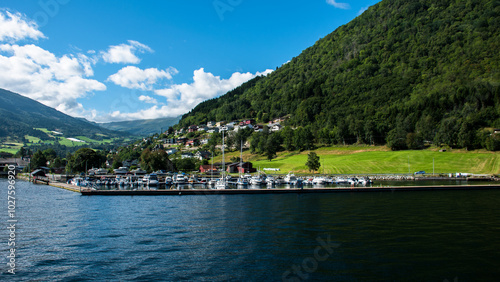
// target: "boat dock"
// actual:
[[173, 192]]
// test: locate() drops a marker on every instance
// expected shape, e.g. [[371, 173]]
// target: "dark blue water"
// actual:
[[398, 236]]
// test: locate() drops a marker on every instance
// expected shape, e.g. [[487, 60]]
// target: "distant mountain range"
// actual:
[[403, 69], [142, 127], [19, 116]]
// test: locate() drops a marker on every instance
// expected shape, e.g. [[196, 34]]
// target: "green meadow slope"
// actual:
[[380, 160]]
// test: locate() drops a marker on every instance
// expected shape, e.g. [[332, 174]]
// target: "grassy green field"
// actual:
[[379, 159], [10, 147], [13, 146]]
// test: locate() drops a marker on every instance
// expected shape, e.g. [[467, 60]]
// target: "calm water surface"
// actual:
[[398, 236]]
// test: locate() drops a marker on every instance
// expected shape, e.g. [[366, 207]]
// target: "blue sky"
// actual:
[[124, 60]]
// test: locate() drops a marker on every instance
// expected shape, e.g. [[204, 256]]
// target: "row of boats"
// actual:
[[223, 182]]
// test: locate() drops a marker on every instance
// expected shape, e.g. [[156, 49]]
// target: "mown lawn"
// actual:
[[378, 159]]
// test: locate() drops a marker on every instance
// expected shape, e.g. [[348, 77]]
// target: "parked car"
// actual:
[[420, 172]]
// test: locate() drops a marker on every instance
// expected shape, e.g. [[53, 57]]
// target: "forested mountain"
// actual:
[[422, 69], [142, 127], [20, 115]]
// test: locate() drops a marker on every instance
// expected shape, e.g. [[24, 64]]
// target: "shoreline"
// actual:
[[306, 190], [87, 192]]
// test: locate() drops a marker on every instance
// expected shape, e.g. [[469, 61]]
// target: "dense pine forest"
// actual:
[[404, 73]]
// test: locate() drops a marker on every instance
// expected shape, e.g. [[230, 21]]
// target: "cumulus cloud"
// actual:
[[125, 53], [15, 27], [336, 4], [40, 75], [135, 78], [183, 97], [148, 99]]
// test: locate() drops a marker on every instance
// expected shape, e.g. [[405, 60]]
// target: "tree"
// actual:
[[50, 154], [287, 136], [38, 160], [57, 163], [272, 146], [414, 141], [187, 164], [396, 139], [84, 158], [313, 161], [116, 163], [156, 160]]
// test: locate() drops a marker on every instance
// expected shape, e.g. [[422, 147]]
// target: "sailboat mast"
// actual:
[[223, 162]]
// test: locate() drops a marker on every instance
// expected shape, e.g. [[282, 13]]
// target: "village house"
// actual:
[[245, 167], [211, 124], [172, 151], [193, 143], [202, 128], [213, 130], [180, 131], [129, 163], [202, 155], [187, 155], [170, 141], [208, 169], [273, 127], [19, 163], [193, 128], [247, 122], [241, 127], [181, 141], [220, 123], [258, 128]]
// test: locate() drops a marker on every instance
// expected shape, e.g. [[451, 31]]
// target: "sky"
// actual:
[[115, 60]]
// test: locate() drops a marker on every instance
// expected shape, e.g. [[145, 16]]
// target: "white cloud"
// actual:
[[125, 53], [148, 99], [14, 27], [336, 4], [40, 75], [135, 78], [183, 97]]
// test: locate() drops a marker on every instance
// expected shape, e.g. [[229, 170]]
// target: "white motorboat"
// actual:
[[151, 180], [318, 180], [291, 179], [270, 180], [121, 170], [341, 180], [256, 180], [242, 181]]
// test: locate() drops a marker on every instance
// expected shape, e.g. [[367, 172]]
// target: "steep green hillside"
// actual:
[[20, 116], [424, 69]]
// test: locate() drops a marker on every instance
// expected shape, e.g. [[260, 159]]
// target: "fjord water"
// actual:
[[402, 236]]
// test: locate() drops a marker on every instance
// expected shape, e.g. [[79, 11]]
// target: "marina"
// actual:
[[379, 236], [181, 184]]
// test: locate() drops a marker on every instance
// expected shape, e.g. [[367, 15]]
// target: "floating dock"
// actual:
[[173, 192]]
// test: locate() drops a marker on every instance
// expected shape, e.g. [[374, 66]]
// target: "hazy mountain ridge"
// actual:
[[142, 127], [20, 115]]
